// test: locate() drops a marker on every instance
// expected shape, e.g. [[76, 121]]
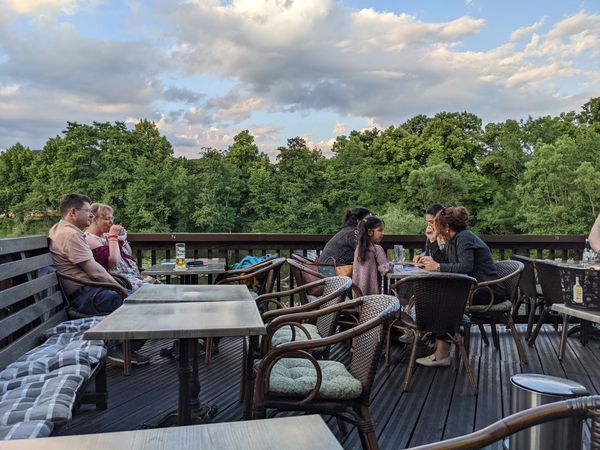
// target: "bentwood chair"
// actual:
[[529, 292], [289, 377], [260, 278], [499, 313], [440, 300], [549, 276]]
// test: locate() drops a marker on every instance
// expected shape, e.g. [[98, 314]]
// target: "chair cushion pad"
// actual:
[[75, 325], [296, 377], [73, 362], [284, 334], [506, 305], [26, 430]]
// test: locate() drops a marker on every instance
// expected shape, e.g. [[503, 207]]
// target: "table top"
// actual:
[[576, 264], [165, 293], [167, 267], [180, 320], [592, 316], [405, 272], [292, 433]]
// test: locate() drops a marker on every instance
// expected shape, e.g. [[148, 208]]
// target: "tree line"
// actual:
[[534, 176]]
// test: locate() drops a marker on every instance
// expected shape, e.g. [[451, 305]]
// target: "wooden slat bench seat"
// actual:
[[41, 371]]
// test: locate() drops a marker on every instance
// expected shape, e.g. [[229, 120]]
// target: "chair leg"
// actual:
[[365, 429], [465, 359], [532, 309], [483, 333], [467, 340], [388, 343], [208, 344], [495, 338], [411, 361], [516, 337], [563, 337], [538, 326], [517, 306], [126, 358], [341, 426]]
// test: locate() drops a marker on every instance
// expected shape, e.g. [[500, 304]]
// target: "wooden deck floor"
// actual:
[[438, 406]]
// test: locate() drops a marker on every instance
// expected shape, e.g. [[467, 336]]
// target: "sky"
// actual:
[[204, 70]]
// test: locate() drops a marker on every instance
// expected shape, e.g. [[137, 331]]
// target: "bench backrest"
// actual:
[[30, 302]]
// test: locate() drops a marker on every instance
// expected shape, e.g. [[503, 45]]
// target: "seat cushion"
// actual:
[[94, 349], [26, 430], [75, 325], [9, 385], [284, 334], [296, 377], [52, 399], [74, 362], [506, 305]]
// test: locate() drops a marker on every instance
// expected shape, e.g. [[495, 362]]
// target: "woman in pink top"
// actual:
[[369, 257]]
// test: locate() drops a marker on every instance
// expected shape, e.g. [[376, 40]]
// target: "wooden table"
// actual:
[[189, 274], [291, 433], [186, 321], [167, 293], [567, 311]]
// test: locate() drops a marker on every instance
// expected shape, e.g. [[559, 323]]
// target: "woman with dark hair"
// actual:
[[466, 253], [340, 248]]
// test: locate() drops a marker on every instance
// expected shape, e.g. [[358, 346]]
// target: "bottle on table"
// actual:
[[577, 292]]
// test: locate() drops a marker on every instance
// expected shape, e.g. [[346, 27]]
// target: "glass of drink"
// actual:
[[180, 256], [398, 256]]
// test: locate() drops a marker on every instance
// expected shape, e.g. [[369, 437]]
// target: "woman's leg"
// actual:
[[442, 349]]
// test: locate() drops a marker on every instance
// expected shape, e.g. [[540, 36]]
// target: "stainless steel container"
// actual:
[[529, 390]]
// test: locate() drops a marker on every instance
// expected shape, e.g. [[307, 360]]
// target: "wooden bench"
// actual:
[[31, 302]]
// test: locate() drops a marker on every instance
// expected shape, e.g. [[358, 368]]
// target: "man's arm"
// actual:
[[96, 272], [594, 236]]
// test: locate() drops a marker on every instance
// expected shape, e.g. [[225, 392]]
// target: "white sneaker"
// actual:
[[430, 361]]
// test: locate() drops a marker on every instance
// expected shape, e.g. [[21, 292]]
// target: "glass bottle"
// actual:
[[577, 292]]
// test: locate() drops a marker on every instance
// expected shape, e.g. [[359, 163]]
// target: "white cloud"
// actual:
[[339, 128], [523, 32]]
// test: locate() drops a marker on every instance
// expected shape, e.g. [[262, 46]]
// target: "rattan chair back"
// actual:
[[369, 345], [440, 300], [302, 274], [549, 277], [527, 284], [327, 323], [272, 274], [508, 267]]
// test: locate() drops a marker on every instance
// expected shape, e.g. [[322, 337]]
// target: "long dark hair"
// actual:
[[364, 241], [354, 215]]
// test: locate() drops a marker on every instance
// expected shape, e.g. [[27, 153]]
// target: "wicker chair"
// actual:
[[267, 269], [582, 407], [440, 300], [528, 292], [350, 403], [500, 313], [303, 275], [281, 330], [549, 277]]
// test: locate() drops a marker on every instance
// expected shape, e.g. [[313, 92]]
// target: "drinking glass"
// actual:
[[180, 256], [398, 255]]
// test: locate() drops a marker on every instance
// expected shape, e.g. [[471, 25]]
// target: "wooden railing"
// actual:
[[150, 248]]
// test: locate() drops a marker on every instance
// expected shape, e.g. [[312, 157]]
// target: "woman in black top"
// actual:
[[466, 253], [340, 248]]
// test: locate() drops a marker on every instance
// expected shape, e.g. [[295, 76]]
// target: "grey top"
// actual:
[[340, 247], [178, 293], [468, 254]]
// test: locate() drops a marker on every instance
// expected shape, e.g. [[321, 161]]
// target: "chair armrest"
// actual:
[[582, 407], [268, 315], [107, 285], [247, 275], [289, 292]]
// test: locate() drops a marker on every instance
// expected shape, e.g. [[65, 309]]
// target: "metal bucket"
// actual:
[[530, 390]]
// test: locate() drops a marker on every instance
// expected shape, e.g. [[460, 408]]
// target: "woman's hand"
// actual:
[[431, 265], [422, 259], [116, 230]]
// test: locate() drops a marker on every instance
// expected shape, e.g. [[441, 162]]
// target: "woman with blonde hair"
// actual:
[[108, 242]]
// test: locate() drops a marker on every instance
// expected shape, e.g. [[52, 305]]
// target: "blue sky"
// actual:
[[204, 70]]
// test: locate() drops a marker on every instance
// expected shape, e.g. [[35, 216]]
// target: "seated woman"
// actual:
[[340, 248], [466, 253], [110, 247]]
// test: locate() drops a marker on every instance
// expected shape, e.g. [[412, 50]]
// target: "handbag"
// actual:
[[343, 270]]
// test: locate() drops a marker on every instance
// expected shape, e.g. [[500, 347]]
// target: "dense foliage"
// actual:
[[537, 176]]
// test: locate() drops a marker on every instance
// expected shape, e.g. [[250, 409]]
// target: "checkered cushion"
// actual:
[[71, 326], [52, 399], [26, 430], [95, 349], [9, 385], [74, 362]]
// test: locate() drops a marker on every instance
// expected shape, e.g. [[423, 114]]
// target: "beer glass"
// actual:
[[180, 256]]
